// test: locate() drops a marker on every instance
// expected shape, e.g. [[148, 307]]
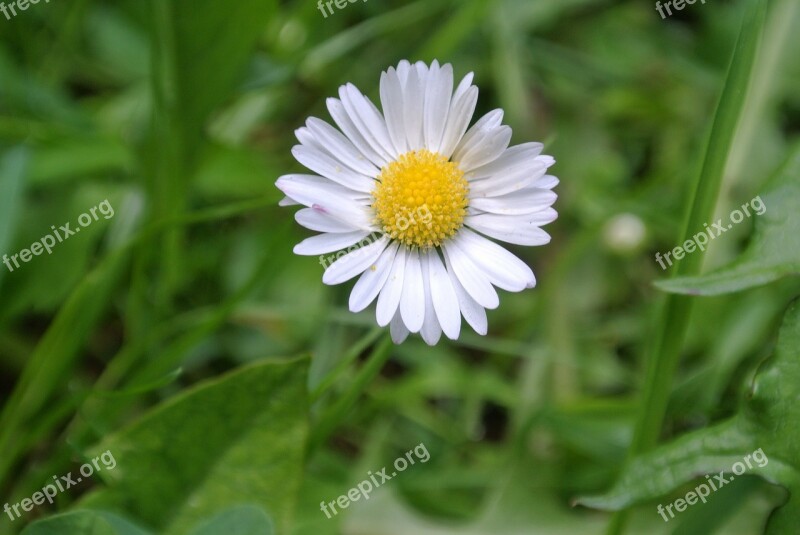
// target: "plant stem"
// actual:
[[664, 353]]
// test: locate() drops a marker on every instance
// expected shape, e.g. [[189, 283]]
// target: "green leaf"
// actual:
[[773, 251], [763, 436], [238, 439], [13, 168], [243, 520], [55, 356], [84, 523]]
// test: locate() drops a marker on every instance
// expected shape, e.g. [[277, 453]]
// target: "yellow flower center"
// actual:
[[421, 199]]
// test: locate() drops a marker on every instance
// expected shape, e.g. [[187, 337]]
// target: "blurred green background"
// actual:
[[181, 114]]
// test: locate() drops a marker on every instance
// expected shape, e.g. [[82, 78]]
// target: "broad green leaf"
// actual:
[[244, 520], [773, 251], [84, 523], [235, 440], [763, 436]]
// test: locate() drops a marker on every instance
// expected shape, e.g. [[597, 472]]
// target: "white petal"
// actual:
[[472, 278], [431, 331], [474, 313], [507, 182], [389, 298], [520, 230], [443, 296], [307, 138], [488, 122], [368, 120], [437, 104], [354, 263], [463, 86], [413, 103], [487, 147], [546, 182], [392, 102], [461, 110], [288, 201], [346, 125], [518, 156], [311, 186], [340, 147], [328, 198], [505, 270], [372, 280], [422, 71], [403, 68], [397, 329], [321, 222], [329, 242], [525, 201], [329, 167], [412, 302]]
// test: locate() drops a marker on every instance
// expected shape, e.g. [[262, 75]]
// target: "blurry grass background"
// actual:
[[182, 115]]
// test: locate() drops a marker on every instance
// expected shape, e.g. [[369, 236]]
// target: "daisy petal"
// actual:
[[488, 122], [463, 86], [514, 158], [474, 313], [458, 119], [321, 222], [413, 98], [412, 302], [288, 201], [546, 182], [340, 147], [519, 230], [329, 167], [471, 277], [372, 280], [307, 187], [392, 102], [397, 329], [525, 201], [403, 68], [329, 198], [487, 147], [504, 270], [437, 104], [431, 331], [308, 139], [355, 262], [389, 298], [503, 183], [328, 242], [368, 120], [445, 301], [346, 125]]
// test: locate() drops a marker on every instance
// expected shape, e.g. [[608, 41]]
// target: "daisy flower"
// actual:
[[408, 198]]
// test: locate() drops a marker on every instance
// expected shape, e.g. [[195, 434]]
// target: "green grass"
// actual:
[[178, 333]]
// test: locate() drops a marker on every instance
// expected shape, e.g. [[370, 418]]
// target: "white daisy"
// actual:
[[408, 197]]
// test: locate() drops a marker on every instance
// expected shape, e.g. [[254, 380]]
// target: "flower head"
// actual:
[[408, 198]]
